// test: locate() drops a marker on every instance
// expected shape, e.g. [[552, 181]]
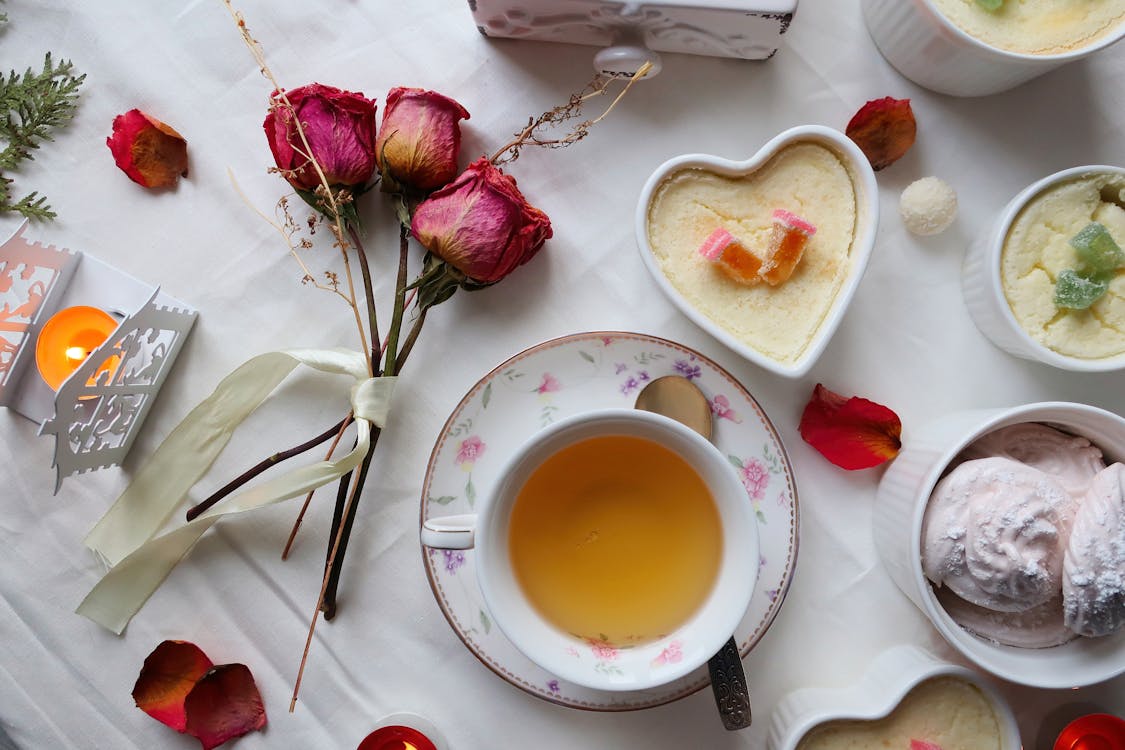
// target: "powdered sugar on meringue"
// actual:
[[1094, 567], [995, 531]]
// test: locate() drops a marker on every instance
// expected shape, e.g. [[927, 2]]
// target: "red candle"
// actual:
[[1093, 732], [396, 737]]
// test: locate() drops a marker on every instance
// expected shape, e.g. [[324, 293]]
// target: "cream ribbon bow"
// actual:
[[124, 537]]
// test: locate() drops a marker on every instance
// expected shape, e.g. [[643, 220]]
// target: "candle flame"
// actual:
[[76, 353]]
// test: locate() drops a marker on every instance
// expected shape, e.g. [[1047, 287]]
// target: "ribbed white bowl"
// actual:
[[900, 504], [923, 45], [984, 294], [892, 675]]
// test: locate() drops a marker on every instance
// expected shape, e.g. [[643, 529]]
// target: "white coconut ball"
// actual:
[[928, 206]]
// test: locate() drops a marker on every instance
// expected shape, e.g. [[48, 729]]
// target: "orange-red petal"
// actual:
[[151, 153], [168, 675], [224, 704], [884, 129], [852, 433]]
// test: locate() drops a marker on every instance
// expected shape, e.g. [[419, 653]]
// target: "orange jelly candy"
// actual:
[[736, 261], [790, 235]]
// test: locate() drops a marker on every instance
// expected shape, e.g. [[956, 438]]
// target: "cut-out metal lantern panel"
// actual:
[[98, 410]]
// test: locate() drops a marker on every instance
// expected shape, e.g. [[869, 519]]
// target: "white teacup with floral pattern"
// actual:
[[590, 661]]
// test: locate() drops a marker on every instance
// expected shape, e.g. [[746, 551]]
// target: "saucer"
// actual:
[[570, 375]]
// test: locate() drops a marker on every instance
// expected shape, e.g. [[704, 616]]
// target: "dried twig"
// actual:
[[530, 135]]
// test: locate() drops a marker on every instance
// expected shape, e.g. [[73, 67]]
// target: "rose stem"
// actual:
[[320, 599], [263, 465], [369, 293], [308, 497], [408, 343], [328, 602]]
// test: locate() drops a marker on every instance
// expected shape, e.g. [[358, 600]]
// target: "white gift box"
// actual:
[[632, 32]]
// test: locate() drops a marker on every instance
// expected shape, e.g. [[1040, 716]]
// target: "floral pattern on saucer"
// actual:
[[568, 376]]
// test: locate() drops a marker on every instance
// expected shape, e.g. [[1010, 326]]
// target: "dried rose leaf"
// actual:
[[852, 433], [223, 705], [924, 745], [884, 130], [168, 675], [150, 152]]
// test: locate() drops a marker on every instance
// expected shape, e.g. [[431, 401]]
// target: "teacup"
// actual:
[[591, 656]]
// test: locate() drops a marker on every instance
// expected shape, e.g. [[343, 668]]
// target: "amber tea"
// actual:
[[615, 538]]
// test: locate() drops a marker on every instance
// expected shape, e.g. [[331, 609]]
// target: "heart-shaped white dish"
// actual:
[[810, 170], [892, 676]]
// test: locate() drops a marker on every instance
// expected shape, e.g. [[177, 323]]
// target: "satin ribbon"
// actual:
[[124, 537]]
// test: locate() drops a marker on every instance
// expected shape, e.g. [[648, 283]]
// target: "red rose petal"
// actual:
[[223, 705], [150, 152], [884, 130], [852, 433], [168, 675]]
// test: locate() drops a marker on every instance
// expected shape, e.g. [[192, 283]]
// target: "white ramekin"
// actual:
[[892, 675], [867, 224], [900, 505], [984, 294], [926, 47]]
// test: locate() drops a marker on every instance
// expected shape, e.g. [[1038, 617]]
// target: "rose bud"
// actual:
[[340, 129], [151, 153], [481, 224], [418, 140]]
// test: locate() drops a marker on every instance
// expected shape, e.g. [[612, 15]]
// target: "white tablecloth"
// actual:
[[907, 341]]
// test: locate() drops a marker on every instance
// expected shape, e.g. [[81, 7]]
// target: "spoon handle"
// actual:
[[728, 681]]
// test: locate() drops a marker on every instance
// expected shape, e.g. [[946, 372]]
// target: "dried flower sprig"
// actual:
[[532, 135]]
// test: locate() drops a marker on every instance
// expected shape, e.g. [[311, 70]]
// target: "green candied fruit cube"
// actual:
[[1078, 292], [990, 5], [1097, 251]]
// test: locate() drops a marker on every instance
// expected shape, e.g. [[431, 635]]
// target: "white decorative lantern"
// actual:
[[97, 411]]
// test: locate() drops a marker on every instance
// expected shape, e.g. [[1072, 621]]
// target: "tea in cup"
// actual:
[[618, 550]]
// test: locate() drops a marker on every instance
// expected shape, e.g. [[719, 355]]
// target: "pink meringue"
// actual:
[[1072, 461], [1041, 626], [995, 531], [1093, 584]]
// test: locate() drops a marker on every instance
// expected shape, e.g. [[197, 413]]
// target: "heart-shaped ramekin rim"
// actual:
[[867, 223], [892, 675]]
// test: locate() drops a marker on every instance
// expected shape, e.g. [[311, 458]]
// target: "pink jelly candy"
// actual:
[[790, 235], [735, 260]]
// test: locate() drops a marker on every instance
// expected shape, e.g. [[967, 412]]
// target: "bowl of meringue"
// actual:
[[1006, 527]]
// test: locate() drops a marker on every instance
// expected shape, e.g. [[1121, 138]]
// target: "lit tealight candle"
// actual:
[[67, 339], [1093, 732]]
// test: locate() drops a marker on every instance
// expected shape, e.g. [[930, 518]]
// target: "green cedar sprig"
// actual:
[[32, 106]]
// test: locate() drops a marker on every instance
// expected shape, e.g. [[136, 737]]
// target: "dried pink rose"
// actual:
[[340, 128], [419, 140], [481, 224]]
